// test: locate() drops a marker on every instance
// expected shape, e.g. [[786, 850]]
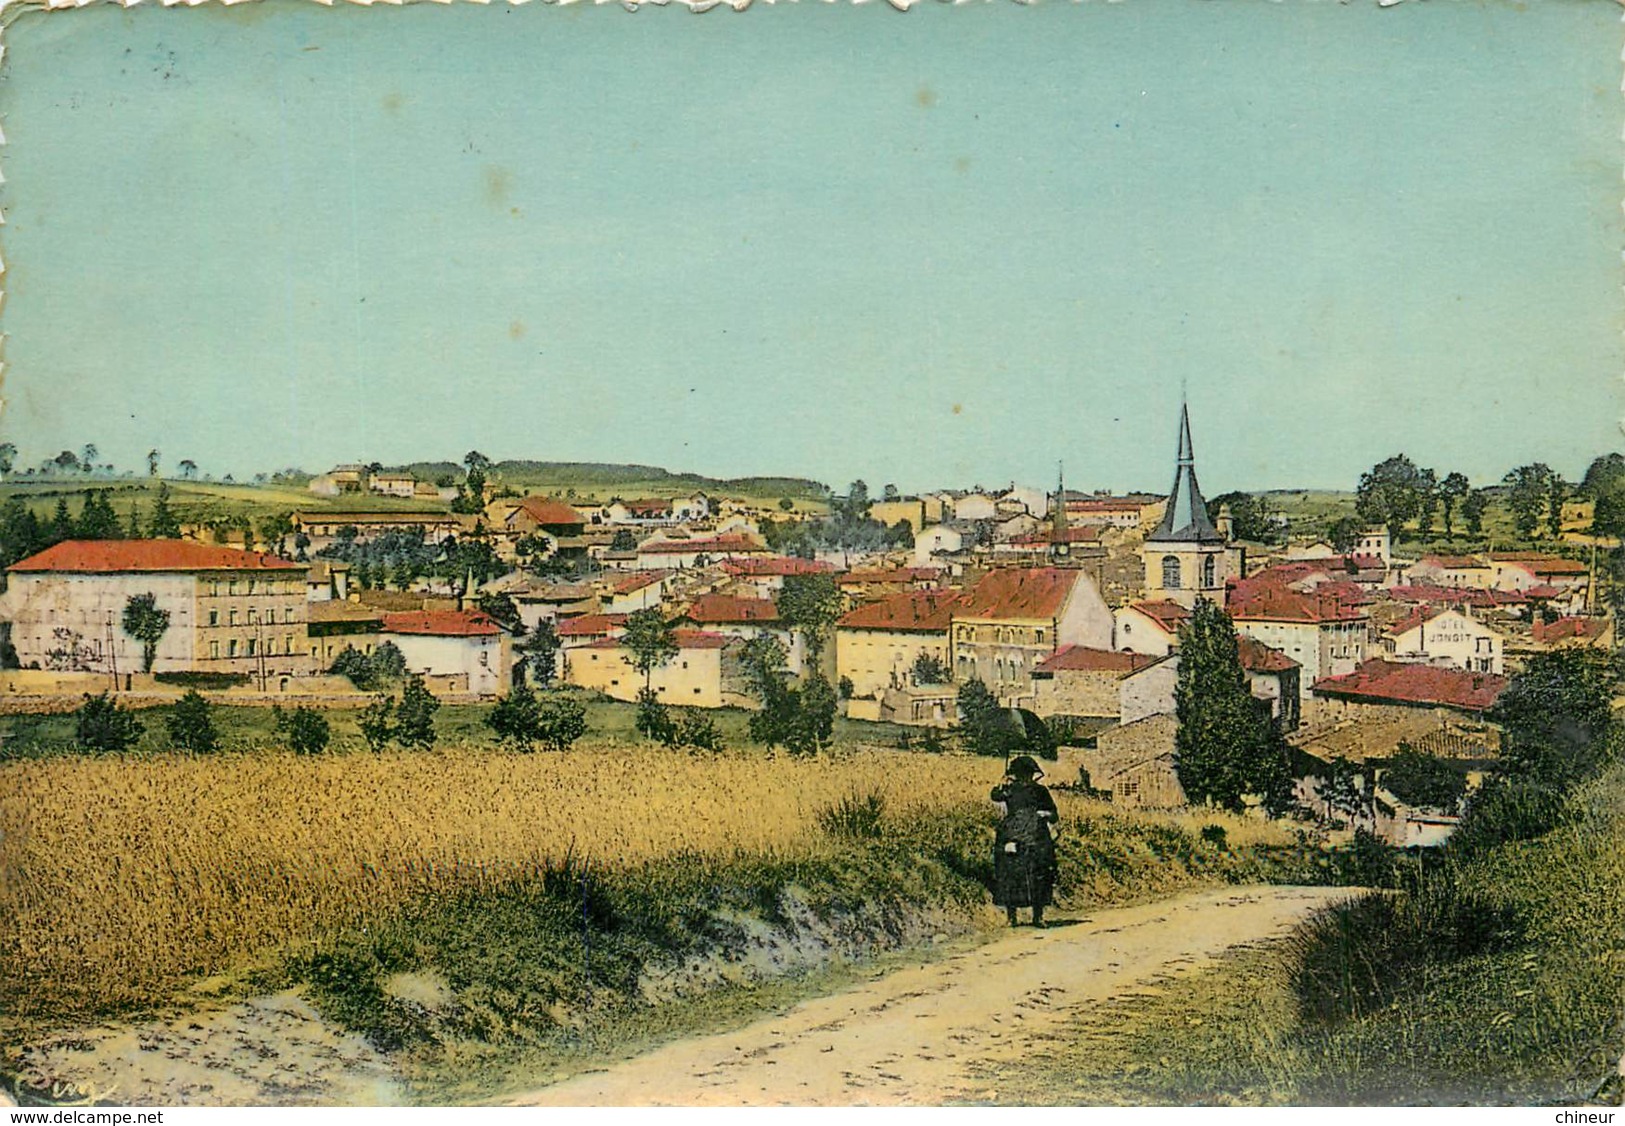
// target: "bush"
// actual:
[[560, 722], [101, 725], [653, 721], [414, 715], [191, 725], [305, 729], [369, 672], [377, 723], [854, 817], [1506, 810], [696, 729], [1423, 780], [1214, 835]]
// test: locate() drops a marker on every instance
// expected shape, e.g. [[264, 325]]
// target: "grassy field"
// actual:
[[1500, 979]]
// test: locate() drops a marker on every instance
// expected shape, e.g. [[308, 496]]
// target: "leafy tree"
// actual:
[[501, 609], [8, 458], [624, 541], [66, 462], [812, 726], [785, 504], [1427, 500], [21, 533], [1553, 716], [377, 723], [101, 725], [414, 715], [810, 603], [561, 721], [1604, 483], [1249, 516], [1557, 491], [929, 669], [1344, 534], [1528, 487], [653, 721], [1424, 780], [306, 729], [1341, 790], [146, 623], [88, 456], [1390, 493], [516, 718], [1473, 507], [188, 469], [696, 729], [984, 724], [471, 493], [1452, 490], [152, 463], [133, 527], [165, 525], [1227, 745], [539, 653], [890, 493], [651, 640], [191, 725]]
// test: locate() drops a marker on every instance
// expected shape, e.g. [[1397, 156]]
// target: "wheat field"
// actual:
[[120, 878]]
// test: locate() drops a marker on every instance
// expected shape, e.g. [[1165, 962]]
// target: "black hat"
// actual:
[[1023, 766]]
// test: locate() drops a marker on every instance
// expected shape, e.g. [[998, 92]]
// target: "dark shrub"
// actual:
[[101, 725], [191, 725]]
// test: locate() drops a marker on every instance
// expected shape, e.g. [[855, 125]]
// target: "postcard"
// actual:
[[811, 555]]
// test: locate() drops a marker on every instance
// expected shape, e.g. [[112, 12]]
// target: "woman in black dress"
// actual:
[[1024, 850]]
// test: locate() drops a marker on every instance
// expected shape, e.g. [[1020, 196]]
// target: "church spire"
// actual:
[[1185, 520], [1057, 535]]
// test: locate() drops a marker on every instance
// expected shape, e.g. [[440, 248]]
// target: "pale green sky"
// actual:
[[933, 248]]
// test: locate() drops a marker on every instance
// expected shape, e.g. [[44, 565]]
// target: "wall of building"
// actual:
[[875, 660], [485, 660], [692, 679]]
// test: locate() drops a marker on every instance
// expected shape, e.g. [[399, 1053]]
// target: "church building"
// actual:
[[1187, 557]]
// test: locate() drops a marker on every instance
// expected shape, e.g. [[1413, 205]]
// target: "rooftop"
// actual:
[[1079, 658], [923, 611], [723, 609], [1020, 593], [103, 557], [442, 623], [1258, 657], [685, 638], [1391, 682]]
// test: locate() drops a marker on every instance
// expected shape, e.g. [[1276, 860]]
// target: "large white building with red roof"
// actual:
[[878, 643], [462, 650], [230, 611], [1434, 634], [1323, 630]]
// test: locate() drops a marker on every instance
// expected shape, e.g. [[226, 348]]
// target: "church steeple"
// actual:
[[1185, 520], [1057, 535]]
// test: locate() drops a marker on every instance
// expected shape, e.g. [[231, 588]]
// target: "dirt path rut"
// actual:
[[909, 1037]]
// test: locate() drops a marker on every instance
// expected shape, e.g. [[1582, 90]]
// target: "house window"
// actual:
[[214, 617], [1209, 570], [231, 616], [231, 648], [214, 650], [696, 691], [287, 644], [253, 616], [251, 647], [1170, 572]]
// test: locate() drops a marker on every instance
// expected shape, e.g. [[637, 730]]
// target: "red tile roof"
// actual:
[[892, 575], [590, 625], [651, 506], [635, 581], [1079, 658], [549, 512], [1391, 682], [1169, 616], [1569, 629], [1452, 562], [1460, 596], [1419, 615], [686, 639], [1258, 657], [1542, 564], [723, 609], [1264, 599], [103, 557], [713, 546], [1105, 504], [774, 565], [915, 611], [1087, 534], [1020, 594], [442, 623]]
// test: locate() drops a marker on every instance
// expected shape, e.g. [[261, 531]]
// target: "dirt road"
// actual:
[[908, 1037]]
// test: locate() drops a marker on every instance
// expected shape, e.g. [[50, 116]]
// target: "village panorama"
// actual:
[[324, 726]]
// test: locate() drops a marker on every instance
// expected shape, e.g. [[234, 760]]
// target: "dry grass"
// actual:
[[120, 878]]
